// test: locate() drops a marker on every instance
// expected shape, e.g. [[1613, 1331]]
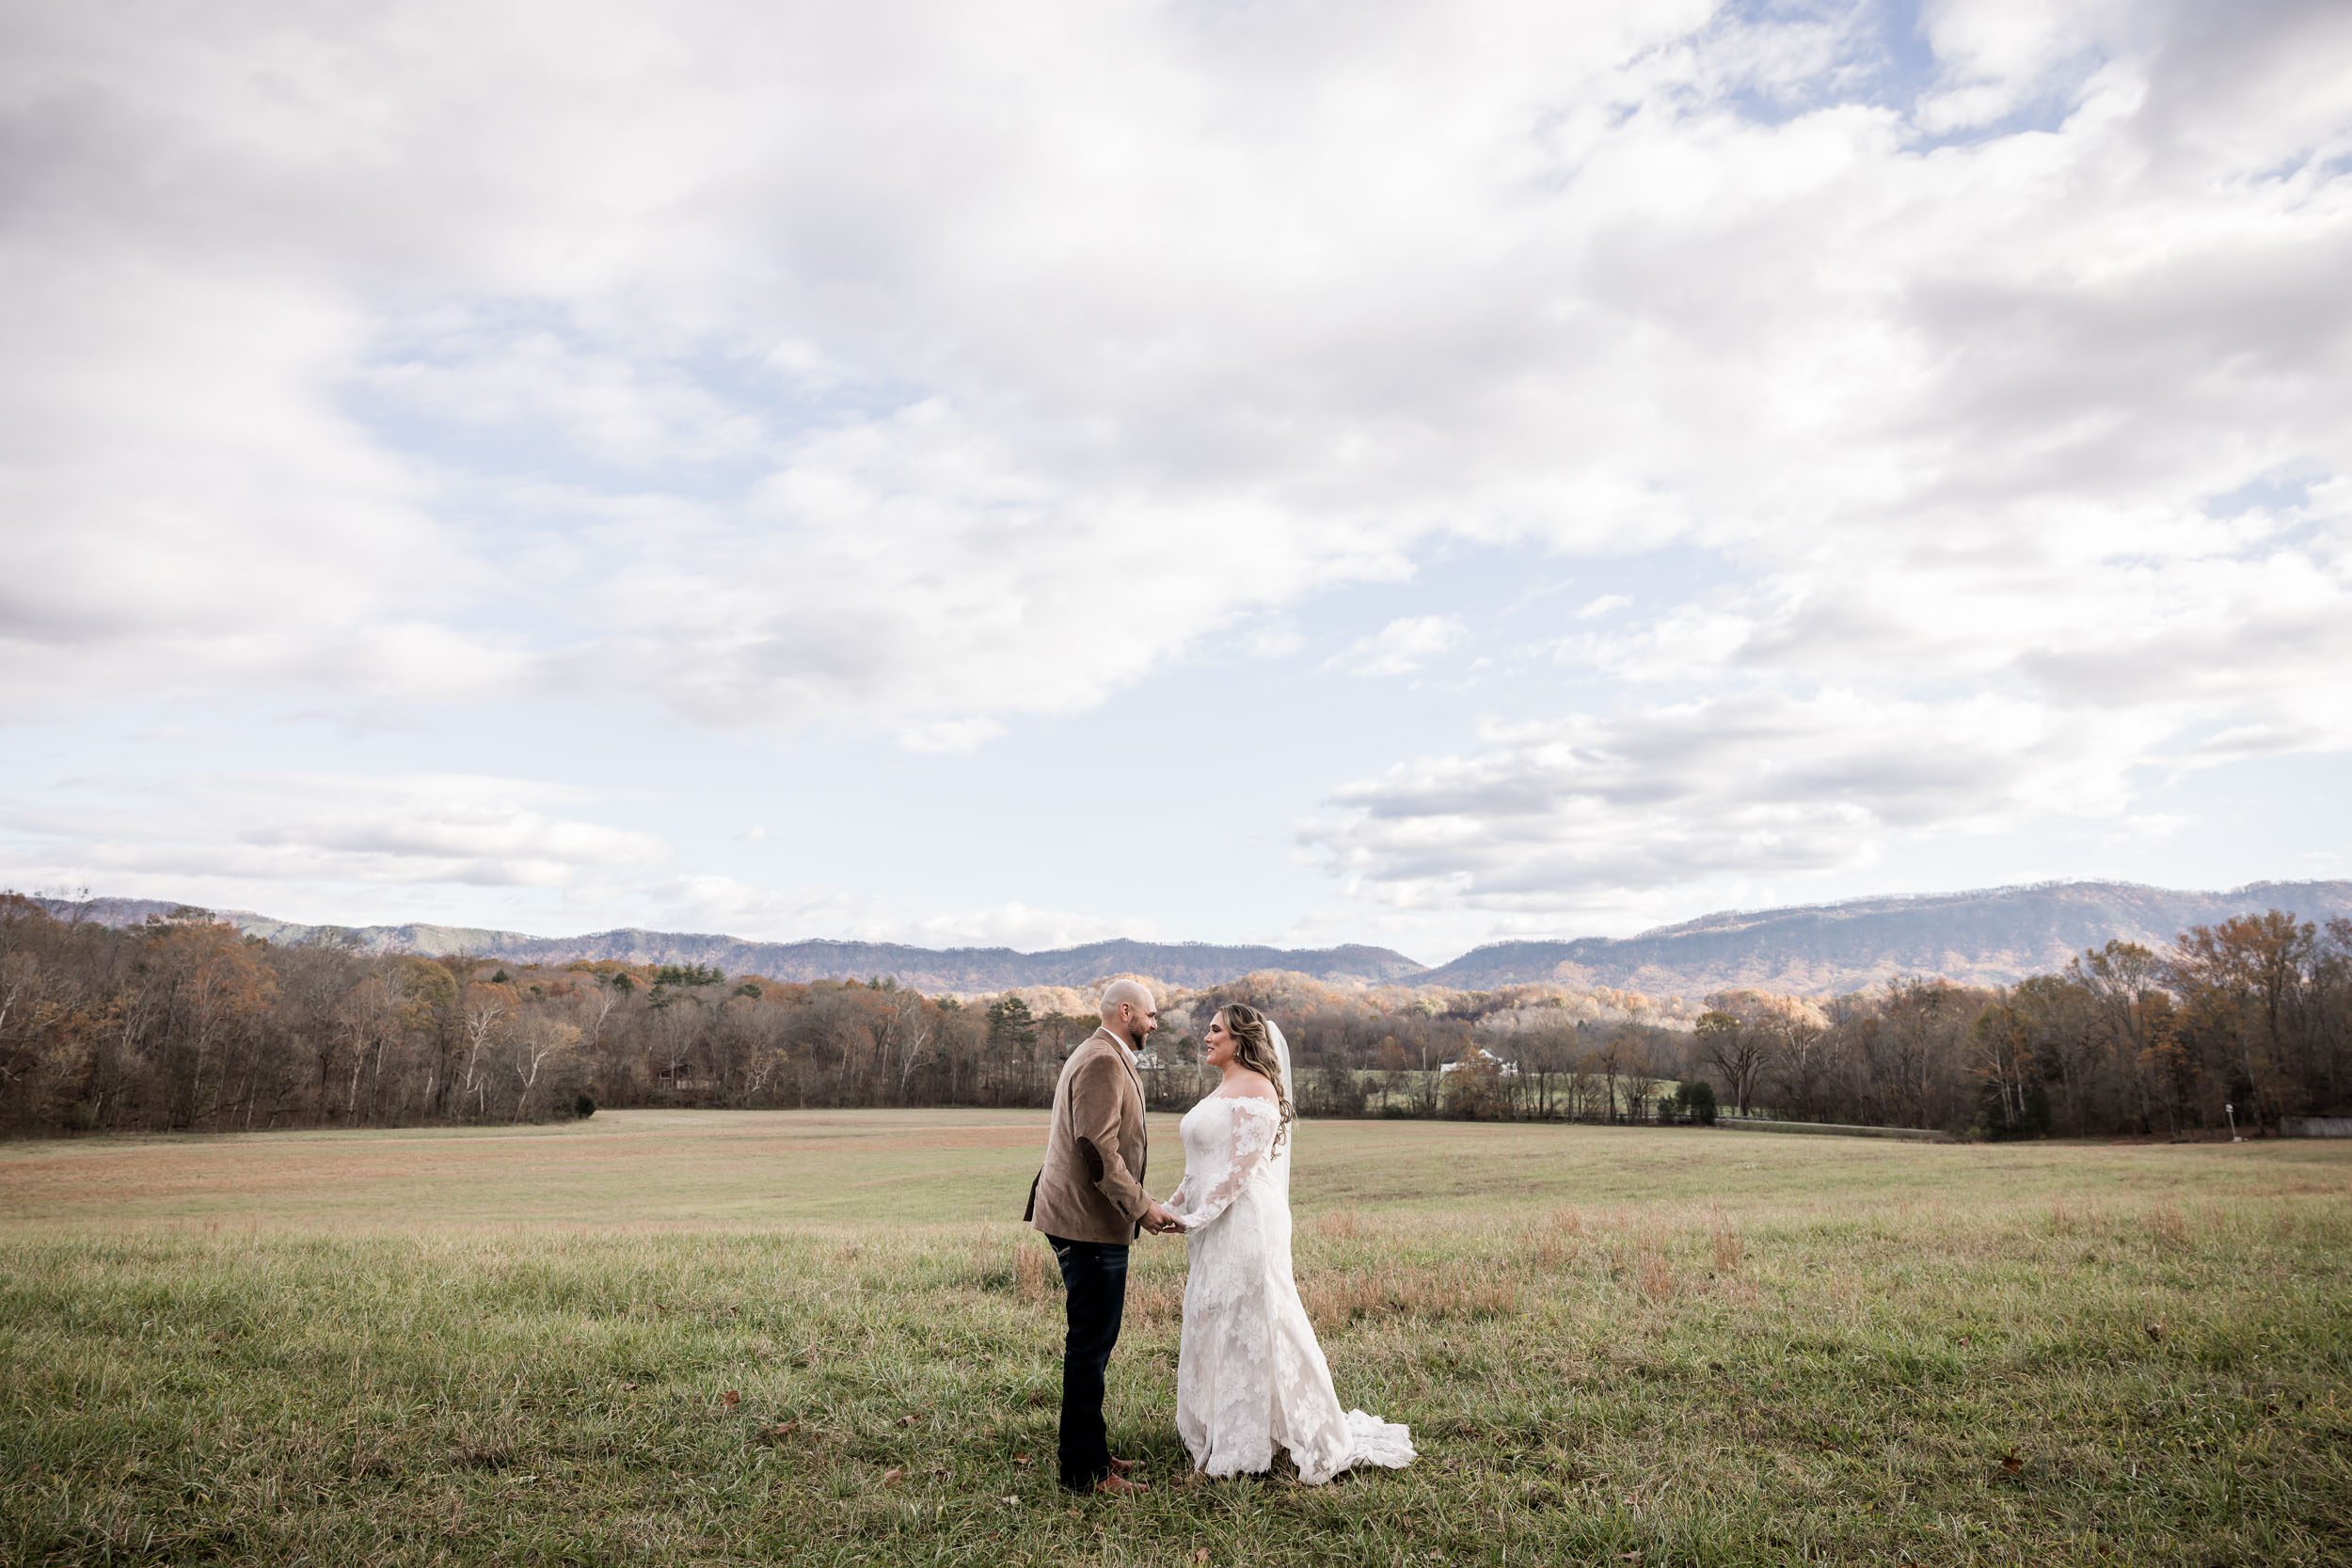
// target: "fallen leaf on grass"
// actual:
[[731, 1398], [909, 1420], [1021, 1459], [783, 1429], [893, 1476], [2155, 1332], [1010, 1502], [1200, 1556], [2010, 1463]]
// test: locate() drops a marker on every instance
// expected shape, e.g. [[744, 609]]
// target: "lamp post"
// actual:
[[2230, 1110]]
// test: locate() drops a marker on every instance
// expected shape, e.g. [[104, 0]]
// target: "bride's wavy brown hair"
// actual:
[[1253, 1048]]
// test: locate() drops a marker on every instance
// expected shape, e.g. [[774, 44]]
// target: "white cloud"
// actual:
[[517, 853], [178, 494], [705, 901], [778, 370], [1586, 811], [1999, 56], [1017, 926], [1400, 647], [719, 903], [1272, 640], [254, 841], [2141, 826], [605, 407], [950, 734]]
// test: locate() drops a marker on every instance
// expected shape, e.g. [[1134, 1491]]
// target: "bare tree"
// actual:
[[485, 1011], [535, 1040]]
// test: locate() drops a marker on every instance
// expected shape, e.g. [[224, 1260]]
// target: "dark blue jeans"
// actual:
[[1095, 1276]]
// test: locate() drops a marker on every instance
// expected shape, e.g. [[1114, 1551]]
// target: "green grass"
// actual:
[[1702, 1347]]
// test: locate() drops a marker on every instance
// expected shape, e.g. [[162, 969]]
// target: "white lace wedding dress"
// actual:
[[1250, 1376]]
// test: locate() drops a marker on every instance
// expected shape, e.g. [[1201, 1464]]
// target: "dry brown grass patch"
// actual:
[[1156, 1301], [1031, 1279], [1730, 1248], [1348, 1297], [1654, 1275], [1020, 1264], [1552, 1241], [1371, 1295]]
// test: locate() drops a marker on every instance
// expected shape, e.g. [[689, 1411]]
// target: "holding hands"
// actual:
[[1163, 1221]]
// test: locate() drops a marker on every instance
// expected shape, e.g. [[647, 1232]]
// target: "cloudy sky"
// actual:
[[1299, 472]]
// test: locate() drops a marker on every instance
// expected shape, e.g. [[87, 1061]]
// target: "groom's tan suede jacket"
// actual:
[[1091, 1188]]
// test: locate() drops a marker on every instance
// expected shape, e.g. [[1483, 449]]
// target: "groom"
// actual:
[[1089, 1201]]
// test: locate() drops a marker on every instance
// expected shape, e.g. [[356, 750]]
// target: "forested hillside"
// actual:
[[187, 1023]]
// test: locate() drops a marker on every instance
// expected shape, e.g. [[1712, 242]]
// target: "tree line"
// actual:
[[184, 1025], [2247, 1022]]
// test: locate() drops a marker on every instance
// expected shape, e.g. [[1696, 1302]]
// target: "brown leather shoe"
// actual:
[[1121, 1466], [1118, 1487]]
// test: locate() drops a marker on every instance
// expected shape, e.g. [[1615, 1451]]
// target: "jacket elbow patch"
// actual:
[[1094, 1158]]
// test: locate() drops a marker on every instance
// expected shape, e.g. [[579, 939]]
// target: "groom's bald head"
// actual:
[[1129, 1010]]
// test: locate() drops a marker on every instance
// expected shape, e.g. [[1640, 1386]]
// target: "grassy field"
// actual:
[[720, 1337]]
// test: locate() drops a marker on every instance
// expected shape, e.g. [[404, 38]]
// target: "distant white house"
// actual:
[[1485, 1059], [2316, 1127]]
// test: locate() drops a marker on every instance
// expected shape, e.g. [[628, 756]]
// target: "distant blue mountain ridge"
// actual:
[[1987, 936]]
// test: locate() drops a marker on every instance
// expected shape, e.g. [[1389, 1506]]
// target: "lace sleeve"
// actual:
[[1253, 1123]]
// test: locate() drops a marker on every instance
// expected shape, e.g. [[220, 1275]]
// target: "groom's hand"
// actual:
[[1159, 1220]]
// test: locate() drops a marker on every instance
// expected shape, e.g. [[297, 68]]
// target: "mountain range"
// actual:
[[1190, 964], [1992, 935], [1988, 936]]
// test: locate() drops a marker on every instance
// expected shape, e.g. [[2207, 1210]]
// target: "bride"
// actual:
[[1249, 1374]]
